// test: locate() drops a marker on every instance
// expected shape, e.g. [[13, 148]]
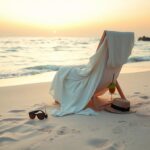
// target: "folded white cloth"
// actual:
[[73, 87], [119, 47]]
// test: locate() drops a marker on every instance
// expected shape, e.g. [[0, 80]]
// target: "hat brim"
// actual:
[[108, 108]]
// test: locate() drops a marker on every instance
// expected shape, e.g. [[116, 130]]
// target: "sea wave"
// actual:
[[25, 56], [34, 70], [44, 68], [134, 59], [48, 68]]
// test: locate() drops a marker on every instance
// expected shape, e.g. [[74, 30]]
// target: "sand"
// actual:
[[105, 131]]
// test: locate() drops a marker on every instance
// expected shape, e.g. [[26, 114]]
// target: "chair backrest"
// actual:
[[119, 45], [115, 67], [107, 77]]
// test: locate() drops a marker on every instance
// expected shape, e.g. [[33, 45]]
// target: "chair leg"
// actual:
[[120, 90]]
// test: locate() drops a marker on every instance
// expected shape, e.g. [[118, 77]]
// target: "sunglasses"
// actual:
[[39, 113]]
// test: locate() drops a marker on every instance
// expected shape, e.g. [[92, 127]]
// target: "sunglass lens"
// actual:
[[31, 115], [41, 116]]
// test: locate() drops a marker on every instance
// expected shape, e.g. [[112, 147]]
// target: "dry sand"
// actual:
[[105, 131]]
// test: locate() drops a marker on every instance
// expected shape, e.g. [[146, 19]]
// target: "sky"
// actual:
[[73, 17]]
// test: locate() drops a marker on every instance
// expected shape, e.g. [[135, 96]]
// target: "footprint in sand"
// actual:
[[144, 97], [141, 104], [51, 139], [117, 130], [136, 92], [99, 143], [75, 131], [121, 121], [65, 130], [62, 131], [46, 129], [16, 111], [115, 146], [132, 124], [105, 144]]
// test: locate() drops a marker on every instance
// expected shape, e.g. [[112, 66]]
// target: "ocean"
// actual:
[[24, 56]]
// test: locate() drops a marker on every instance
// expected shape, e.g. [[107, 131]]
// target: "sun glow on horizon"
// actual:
[[67, 15], [48, 12]]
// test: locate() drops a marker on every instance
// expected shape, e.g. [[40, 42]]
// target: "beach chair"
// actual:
[[74, 87], [106, 79]]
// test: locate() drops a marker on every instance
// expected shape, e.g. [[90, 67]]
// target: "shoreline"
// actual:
[[48, 76]]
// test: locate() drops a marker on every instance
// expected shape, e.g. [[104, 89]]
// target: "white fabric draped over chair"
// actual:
[[73, 87]]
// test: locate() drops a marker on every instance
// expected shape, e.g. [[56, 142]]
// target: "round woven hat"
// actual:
[[119, 106]]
